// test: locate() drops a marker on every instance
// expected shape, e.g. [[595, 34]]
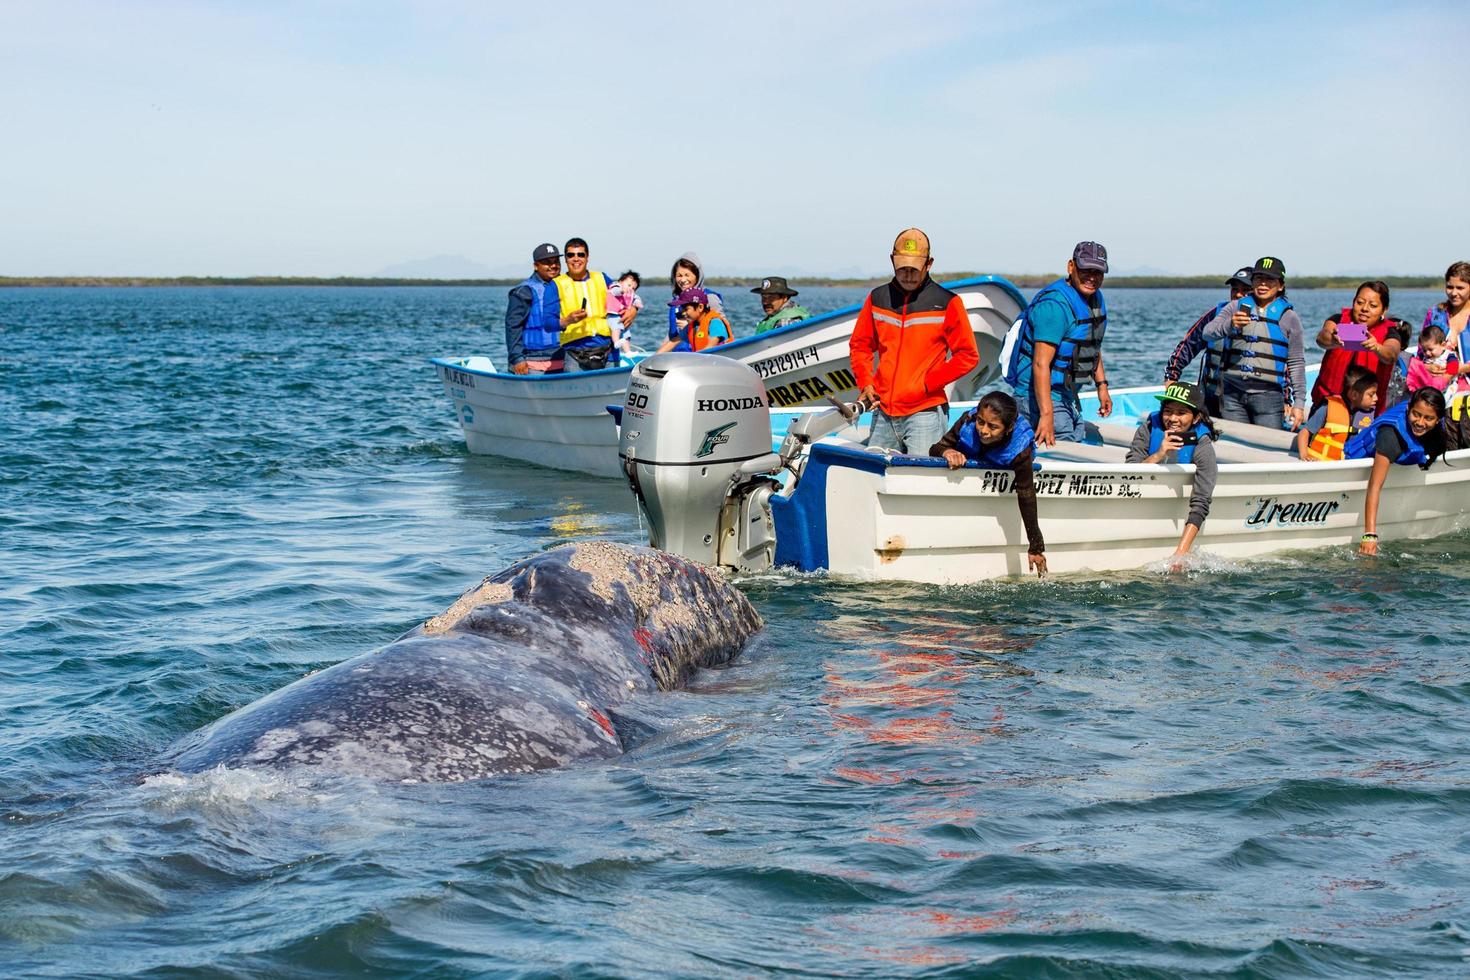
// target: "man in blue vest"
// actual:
[[1058, 347], [533, 317]]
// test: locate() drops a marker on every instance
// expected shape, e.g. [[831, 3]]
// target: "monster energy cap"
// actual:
[[1184, 393], [1270, 266], [911, 249]]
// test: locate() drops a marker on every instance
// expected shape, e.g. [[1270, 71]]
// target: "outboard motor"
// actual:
[[696, 445]]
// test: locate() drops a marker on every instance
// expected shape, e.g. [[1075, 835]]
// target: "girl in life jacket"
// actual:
[[1181, 432], [994, 436], [1326, 433], [1453, 317], [1411, 432], [1385, 338]]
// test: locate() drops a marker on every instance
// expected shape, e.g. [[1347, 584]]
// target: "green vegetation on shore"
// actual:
[[1023, 280]]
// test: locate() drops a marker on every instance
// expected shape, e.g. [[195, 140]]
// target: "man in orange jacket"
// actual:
[[921, 334]]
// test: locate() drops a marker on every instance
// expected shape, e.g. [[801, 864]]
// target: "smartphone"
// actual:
[[584, 302], [1190, 438]]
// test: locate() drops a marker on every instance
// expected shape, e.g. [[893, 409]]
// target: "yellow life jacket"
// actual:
[[1328, 442], [594, 290]]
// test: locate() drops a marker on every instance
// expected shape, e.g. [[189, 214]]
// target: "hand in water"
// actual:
[[1037, 563]]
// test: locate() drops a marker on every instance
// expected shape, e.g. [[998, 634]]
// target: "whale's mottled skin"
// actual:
[[519, 674]]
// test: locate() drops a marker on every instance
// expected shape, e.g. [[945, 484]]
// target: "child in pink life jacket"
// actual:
[[1432, 351], [623, 295]]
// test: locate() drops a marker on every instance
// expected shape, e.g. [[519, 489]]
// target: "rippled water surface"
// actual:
[[1254, 769]]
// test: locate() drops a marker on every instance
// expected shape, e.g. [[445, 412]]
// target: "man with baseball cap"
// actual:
[[921, 335], [1194, 341], [533, 316], [1058, 347], [776, 299]]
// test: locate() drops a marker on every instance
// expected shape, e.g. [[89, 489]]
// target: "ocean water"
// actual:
[[1252, 769]]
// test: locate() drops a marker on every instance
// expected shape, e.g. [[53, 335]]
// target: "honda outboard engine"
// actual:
[[695, 443]]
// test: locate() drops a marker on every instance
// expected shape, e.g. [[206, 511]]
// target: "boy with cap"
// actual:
[[1264, 369], [922, 337], [533, 316], [1058, 347], [1194, 341], [703, 328], [1181, 432], [776, 303]]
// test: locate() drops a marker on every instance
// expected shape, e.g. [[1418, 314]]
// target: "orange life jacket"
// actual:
[[697, 335], [1328, 442]]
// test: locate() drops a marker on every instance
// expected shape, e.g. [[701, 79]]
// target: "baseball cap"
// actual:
[[776, 286], [545, 251], [1242, 276], [1185, 393], [691, 295], [911, 249], [1270, 265], [1090, 255]]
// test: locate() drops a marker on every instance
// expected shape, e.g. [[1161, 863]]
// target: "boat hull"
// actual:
[[914, 520], [562, 421]]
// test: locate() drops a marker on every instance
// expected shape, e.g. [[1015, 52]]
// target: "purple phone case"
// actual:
[[1352, 335]]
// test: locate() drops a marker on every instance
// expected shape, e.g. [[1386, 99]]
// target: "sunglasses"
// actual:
[[575, 255]]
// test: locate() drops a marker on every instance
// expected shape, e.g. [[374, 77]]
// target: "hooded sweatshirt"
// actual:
[[716, 301]]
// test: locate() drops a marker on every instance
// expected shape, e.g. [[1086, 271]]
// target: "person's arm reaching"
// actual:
[[860, 349], [1023, 476]]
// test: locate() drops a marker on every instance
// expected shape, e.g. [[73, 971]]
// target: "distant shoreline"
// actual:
[[1027, 280]]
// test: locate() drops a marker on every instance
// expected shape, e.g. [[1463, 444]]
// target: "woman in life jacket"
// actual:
[[1378, 352], [1263, 368], [1181, 432], [1411, 432], [1453, 316], [994, 436], [1328, 430]]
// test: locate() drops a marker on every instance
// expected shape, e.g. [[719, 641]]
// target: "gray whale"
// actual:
[[522, 673]]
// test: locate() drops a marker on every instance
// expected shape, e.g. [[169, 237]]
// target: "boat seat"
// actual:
[[1081, 452]]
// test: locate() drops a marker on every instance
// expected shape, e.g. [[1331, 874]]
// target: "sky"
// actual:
[[327, 137]]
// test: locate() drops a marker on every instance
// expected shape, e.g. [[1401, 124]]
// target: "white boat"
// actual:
[[835, 505], [561, 420]]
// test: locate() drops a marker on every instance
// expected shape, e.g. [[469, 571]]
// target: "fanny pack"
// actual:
[[590, 358]]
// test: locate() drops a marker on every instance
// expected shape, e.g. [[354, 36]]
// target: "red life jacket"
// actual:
[[1336, 362]]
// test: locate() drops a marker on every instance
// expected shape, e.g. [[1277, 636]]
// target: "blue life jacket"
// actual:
[[1259, 352], [1364, 445], [1002, 454], [1185, 454], [1077, 354], [542, 334], [677, 334], [1212, 366]]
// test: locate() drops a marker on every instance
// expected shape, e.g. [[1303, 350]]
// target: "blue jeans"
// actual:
[[1066, 415], [911, 434], [1241, 404]]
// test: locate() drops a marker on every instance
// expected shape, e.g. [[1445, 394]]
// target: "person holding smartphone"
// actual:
[[1181, 432]]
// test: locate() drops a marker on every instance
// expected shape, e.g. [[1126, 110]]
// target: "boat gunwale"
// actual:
[[808, 323]]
